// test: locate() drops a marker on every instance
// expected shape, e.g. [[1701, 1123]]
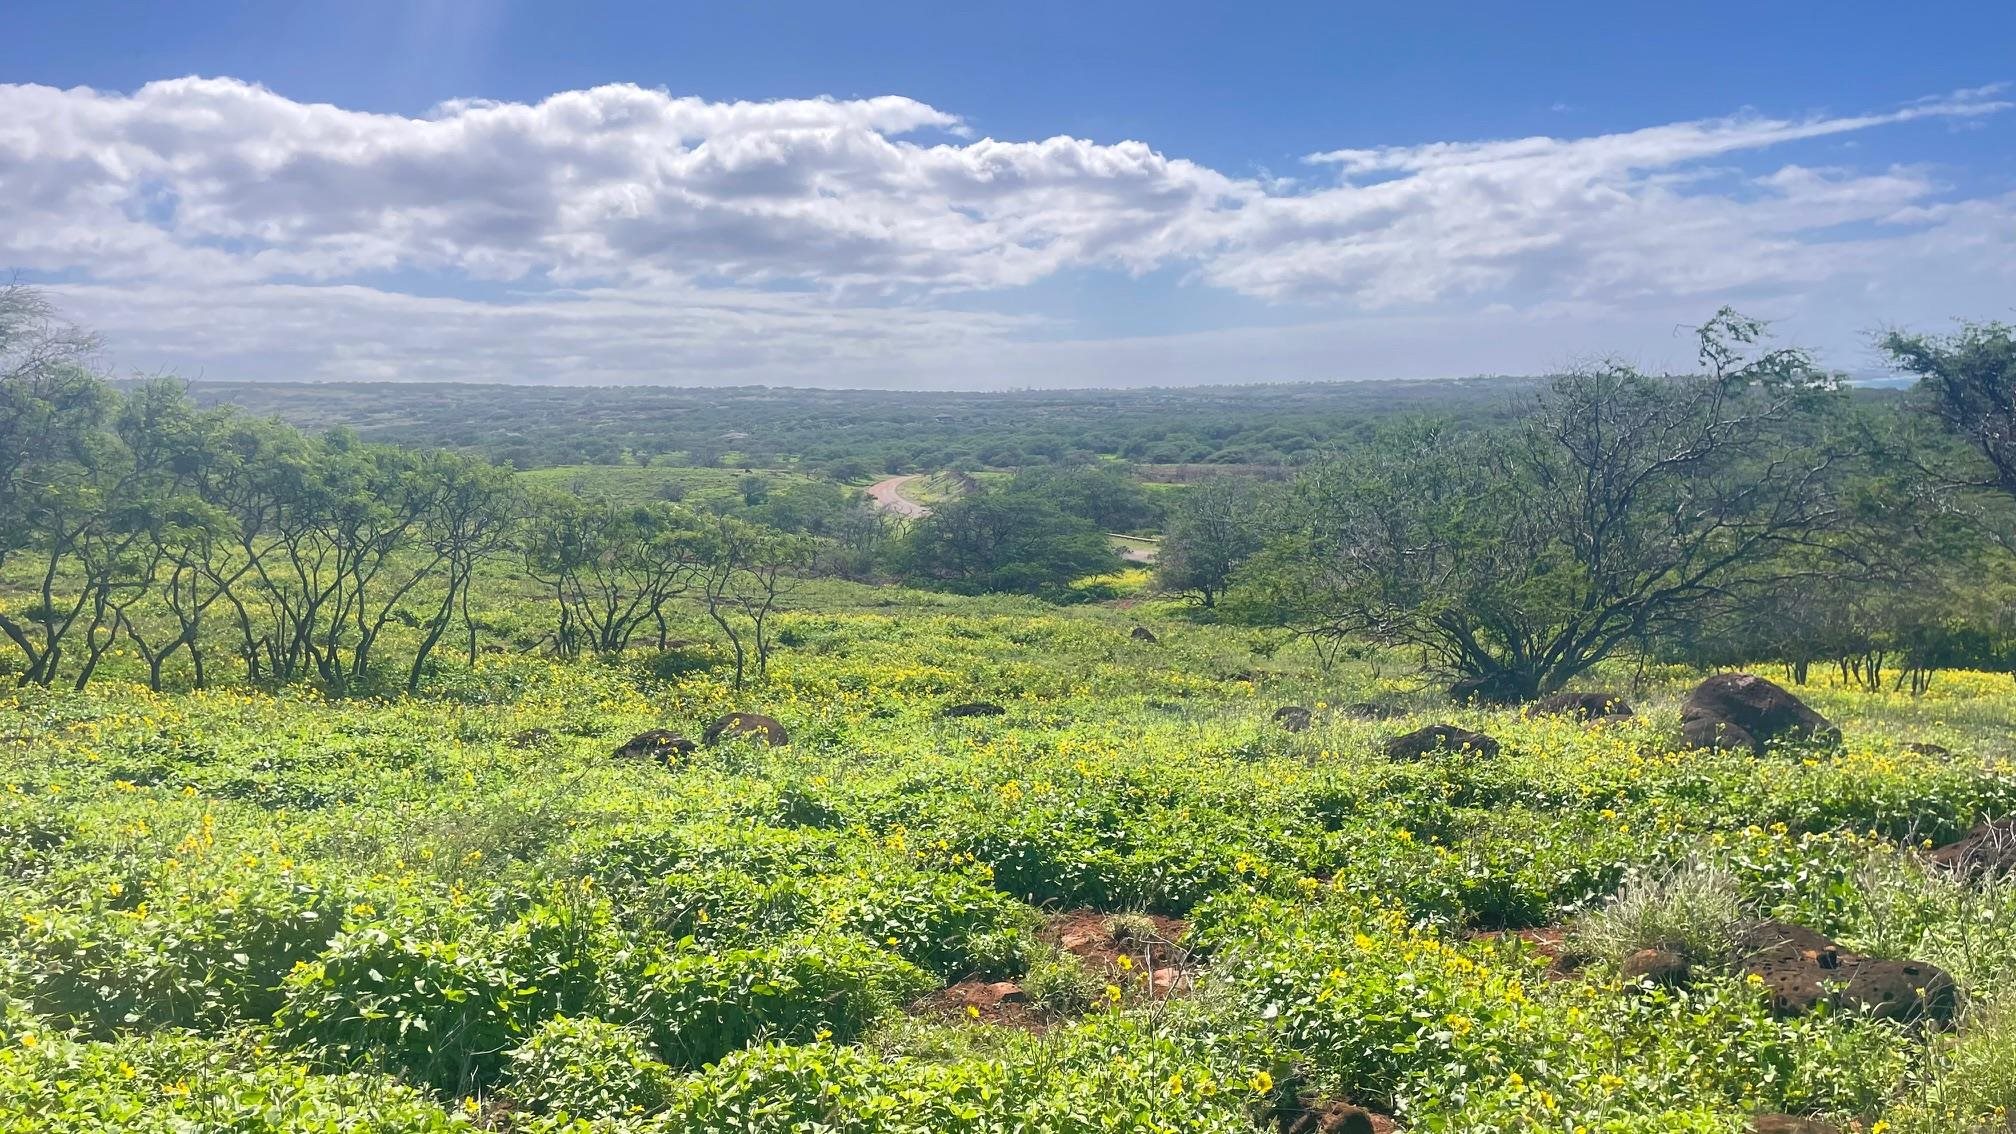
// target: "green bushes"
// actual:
[[582, 944], [698, 1007], [587, 1067], [442, 1011]]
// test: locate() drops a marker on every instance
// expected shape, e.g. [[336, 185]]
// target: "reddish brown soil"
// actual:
[[1159, 967], [1162, 965], [993, 1002]]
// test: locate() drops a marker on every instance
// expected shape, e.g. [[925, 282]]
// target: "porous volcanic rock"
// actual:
[[1739, 711], [974, 709], [731, 725], [1294, 718], [1990, 848], [662, 745], [1439, 737], [1801, 969], [1370, 711], [1581, 706], [1141, 634]]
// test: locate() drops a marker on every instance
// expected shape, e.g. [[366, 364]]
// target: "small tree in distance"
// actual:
[[1215, 528], [1521, 558]]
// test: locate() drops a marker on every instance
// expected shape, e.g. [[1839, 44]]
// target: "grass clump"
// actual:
[[1696, 911]]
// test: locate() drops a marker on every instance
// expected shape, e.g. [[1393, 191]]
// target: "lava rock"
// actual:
[[1581, 706], [1294, 718], [1495, 689], [732, 725], [1989, 848], [1319, 1117], [662, 745], [1142, 634], [1801, 969], [1662, 967], [1741, 710], [1439, 738], [974, 709]]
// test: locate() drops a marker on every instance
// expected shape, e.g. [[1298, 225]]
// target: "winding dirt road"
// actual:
[[888, 496]]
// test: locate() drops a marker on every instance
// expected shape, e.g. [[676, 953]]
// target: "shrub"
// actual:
[[440, 1010], [587, 1068], [700, 1006]]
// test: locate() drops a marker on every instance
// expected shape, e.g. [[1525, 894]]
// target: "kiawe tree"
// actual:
[[1003, 541], [1213, 530], [1520, 558], [1967, 383]]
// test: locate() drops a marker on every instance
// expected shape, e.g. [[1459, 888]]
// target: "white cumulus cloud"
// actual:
[[624, 234]]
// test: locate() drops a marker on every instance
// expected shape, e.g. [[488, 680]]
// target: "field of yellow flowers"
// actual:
[[253, 911]]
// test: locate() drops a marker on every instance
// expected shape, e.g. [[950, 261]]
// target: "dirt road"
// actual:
[[887, 496]]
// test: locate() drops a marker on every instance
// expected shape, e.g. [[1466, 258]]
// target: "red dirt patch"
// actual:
[[994, 1002], [1547, 941], [1158, 963]]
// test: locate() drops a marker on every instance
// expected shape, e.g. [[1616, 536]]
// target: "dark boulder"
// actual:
[[1581, 706], [1142, 634], [733, 725], [974, 709], [531, 738], [1715, 733], [1294, 718], [1742, 710], [1990, 848], [1800, 969], [1927, 748], [662, 745], [1370, 711], [1492, 689], [1439, 738]]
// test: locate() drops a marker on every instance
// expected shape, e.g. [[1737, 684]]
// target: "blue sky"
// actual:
[[1011, 195]]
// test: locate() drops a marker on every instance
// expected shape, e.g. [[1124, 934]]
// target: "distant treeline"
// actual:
[[852, 434]]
